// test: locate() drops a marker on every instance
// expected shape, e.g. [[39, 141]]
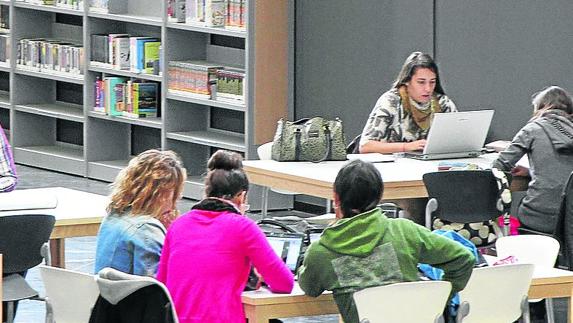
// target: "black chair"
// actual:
[[463, 196], [564, 227], [23, 246]]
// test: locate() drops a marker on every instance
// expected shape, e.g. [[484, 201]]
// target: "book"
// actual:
[[139, 53], [122, 53], [215, 13], [151, 57], [144, 101], [111, 49], [110, 94]]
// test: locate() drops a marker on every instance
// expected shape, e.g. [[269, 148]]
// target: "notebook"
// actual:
[[455, 135], [288, 246]]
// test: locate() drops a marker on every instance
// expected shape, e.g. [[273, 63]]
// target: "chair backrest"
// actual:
[[496, 294], [22, 238], [265, 151], [539, 250], [422, 301], [564, 228], [463, 196], [71, 295]]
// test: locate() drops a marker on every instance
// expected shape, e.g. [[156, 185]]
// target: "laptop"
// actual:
[[455, 135], [288, 246]]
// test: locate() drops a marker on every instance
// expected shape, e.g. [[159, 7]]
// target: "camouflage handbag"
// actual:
[[315, 139]]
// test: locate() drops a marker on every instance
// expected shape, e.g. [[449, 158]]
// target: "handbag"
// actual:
[[314, 139]]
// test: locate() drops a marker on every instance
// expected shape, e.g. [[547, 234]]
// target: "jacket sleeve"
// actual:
[[164, 261], [520, 145], [147, 245], [8, 177], [276, 274], [455, 260], [309, 274]]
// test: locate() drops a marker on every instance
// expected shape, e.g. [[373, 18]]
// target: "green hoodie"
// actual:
[[371, 250]]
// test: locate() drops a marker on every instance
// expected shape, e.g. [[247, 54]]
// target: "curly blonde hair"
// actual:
[[146, 184]]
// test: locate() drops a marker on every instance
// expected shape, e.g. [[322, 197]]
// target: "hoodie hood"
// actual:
[[115, 285], [559, 129], [365, 230]]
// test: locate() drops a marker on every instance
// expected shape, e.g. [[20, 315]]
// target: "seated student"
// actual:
[[364, 248], [402, 116], [547, 139], [208, 251], [8, 176], [143, 204]]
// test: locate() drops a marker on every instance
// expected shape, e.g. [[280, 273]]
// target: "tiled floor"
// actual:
[[80, 252]]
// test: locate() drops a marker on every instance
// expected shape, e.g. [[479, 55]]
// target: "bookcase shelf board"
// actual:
[[59, 110], [4, 100], [106, 170], [144, 122], [96, 67], [209, 30], [184, 97], [59, 158], [5, 2], [137, 19], [193, 187], [4, 67], [58, 76], [39, 7], [210, 138]]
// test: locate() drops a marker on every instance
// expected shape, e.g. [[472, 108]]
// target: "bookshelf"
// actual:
[[49, 114]]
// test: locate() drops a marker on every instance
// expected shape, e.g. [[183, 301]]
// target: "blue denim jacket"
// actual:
[[130, 243]]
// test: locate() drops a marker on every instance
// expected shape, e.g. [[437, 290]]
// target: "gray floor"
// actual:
[[80, 252]]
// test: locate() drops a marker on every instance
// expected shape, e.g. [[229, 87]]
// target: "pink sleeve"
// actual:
[[163, 261], [274, 271]]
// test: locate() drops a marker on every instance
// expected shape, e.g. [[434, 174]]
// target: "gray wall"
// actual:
[[491, 54]]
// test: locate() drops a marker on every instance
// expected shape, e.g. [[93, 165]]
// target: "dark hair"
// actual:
[[359, 187], [415, 61], [552, 98], [225, 177]]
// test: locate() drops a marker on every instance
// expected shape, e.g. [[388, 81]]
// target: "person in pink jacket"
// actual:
[[208, 252]]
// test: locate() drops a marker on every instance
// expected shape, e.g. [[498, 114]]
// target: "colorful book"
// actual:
[[151, 57]]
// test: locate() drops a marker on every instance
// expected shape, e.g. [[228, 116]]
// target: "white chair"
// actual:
[[496, 294], [540, 250], [70, 295], [265, 151], [420, 302]]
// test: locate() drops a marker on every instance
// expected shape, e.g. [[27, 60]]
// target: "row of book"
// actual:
[[120, 96], [68, 4], [125, 52], [4, 47], [5, 18], [207, 80], [210, 13], [50, 56]]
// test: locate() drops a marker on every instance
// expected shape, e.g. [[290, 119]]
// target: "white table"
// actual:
[[77, 214]]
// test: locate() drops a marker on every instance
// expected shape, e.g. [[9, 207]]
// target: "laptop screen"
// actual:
[[287, 246]]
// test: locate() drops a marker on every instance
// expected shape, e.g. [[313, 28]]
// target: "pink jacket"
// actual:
[[205, 263]]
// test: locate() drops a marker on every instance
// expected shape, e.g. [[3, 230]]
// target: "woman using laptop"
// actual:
[[402, 116], [547, 139], [208, 251]]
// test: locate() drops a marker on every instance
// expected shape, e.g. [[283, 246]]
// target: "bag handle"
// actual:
[[328, 145]]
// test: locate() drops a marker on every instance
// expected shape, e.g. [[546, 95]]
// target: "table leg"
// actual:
[[570, 307], [57, 250], [256, 314]]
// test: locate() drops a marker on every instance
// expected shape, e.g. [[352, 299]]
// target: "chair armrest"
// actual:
[[431, 207], [45, 252]]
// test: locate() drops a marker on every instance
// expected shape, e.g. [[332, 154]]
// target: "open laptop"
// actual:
[[288, 246], [455, 135]]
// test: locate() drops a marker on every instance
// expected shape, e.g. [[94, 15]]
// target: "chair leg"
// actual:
[[549, 310], [265, 201], [525, 318], [9, 312], [328, 206]]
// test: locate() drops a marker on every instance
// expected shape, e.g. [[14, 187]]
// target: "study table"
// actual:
[[262, 305], [402, 178]]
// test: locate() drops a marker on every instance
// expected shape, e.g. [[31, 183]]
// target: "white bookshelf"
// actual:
[[49, 130]]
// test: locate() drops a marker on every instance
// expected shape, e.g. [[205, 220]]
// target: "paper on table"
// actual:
[[27, 200], [372, 157]]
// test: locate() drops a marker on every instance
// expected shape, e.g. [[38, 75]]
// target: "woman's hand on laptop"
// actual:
[[415, 145]]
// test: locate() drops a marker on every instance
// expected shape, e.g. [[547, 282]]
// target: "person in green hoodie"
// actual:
[[364, 248]]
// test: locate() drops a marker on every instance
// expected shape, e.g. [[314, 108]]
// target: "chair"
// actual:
[[265, 151], [422, 301], [463, 196], [564, 226], [539, 250], [496, 294], [23, 246], [63, 305]]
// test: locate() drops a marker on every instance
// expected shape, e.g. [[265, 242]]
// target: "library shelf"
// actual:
[[211, 138], [4, 66], [106, 170], [4, 100], [5, 2], [40, 7], [58, 110], [63, 158], [144, 122], [208, 30], [194, 185], [57, 76], [96, 67], [136, 19], [189, 97]]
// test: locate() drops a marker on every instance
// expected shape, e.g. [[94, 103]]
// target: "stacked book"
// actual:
[[125, 52], [230, 85], [48, 56], [209, 13], [68, 4], [119, 96]]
